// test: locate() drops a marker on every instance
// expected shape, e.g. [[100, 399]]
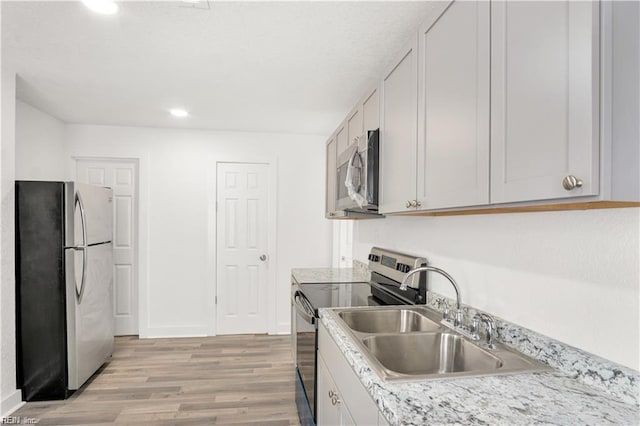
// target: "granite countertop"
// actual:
[[330, 275], [555, 397]]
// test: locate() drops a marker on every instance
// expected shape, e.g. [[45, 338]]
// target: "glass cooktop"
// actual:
[[341, 295]]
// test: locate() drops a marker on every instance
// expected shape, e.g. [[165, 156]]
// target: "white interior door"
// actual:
[[121, 176], [242, 258]]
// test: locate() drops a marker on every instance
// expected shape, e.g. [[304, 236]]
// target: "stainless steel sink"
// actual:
[[388, 321], [432, 353], [410, 343]]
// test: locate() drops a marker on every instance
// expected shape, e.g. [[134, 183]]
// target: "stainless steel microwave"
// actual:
[[358, 175]]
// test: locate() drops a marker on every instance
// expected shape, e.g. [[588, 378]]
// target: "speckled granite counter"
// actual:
[[555, 397], [330, 275]]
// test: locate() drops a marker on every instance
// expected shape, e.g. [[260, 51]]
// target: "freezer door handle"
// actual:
[[82, 248]]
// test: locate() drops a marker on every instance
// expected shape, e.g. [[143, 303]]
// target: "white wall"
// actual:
[[573, 276], [175, 170], [10, 398], [39, 145]]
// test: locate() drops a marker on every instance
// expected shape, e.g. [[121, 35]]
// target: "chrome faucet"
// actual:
[[490, 327], [403, 286]]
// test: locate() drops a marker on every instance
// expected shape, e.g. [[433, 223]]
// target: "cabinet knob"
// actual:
[[414, 203], [418, 203], [335, 400], [331, 394], [409, 204], [570, 182]]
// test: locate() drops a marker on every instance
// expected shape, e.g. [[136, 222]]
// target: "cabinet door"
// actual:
[[345, 417], [330, 201], [327, 412], [356, 405], [453, 109], [399, 132], [341, 139], [371, 111], [544, 99], [354, 126]]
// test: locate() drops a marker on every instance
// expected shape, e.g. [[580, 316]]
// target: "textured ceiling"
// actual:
[[294, 67]]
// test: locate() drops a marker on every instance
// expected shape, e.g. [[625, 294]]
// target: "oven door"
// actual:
[[305, 329]]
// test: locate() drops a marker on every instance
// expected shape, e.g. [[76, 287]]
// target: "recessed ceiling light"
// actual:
[[105, 7], [179, 112]]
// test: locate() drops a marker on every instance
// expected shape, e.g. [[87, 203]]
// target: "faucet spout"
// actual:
[[403, 284]]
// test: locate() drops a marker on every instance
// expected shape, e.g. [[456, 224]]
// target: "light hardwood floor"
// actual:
[[245, 379]]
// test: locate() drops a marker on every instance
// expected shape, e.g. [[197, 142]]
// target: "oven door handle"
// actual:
[[302, 309]]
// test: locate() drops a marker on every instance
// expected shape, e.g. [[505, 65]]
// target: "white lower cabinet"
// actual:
[[341, 398], [330, 408]]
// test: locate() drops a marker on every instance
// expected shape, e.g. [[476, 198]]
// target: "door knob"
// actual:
[[570, 182], [263, 257]]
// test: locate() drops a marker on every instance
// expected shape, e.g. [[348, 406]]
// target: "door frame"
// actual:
[[342, 251], [272, 228], [141, 236]]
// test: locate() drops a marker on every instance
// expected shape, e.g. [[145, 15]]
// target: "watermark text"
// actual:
[[18, 420]]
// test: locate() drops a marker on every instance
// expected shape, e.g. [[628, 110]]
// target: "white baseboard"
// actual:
[[284, 328], [196, 331], [163, 332], [11, 403]]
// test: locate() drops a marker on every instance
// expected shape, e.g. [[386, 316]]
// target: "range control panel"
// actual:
[[402, 267], [395, 265]]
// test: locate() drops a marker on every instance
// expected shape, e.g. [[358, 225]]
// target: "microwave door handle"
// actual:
[[354, 173], [302, 310]]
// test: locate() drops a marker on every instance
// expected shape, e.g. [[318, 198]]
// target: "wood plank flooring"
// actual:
[[246, 379]]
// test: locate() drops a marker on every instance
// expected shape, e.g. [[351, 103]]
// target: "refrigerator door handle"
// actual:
[[82, 248]]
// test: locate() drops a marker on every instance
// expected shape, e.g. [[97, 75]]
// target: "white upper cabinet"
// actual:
[[354, 126], [398, 131], [341, 138], [371, 111], [544, 100], [453, 107], [509, 104], [330, 182]]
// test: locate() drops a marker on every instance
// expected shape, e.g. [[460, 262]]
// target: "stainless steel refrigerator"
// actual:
[[64, 279]]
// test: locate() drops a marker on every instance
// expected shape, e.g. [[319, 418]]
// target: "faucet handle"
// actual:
[[446, 314], [490, 327], [459, 319], [475, 327]]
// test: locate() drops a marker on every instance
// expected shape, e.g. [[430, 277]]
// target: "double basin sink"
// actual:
[[406, 343]]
